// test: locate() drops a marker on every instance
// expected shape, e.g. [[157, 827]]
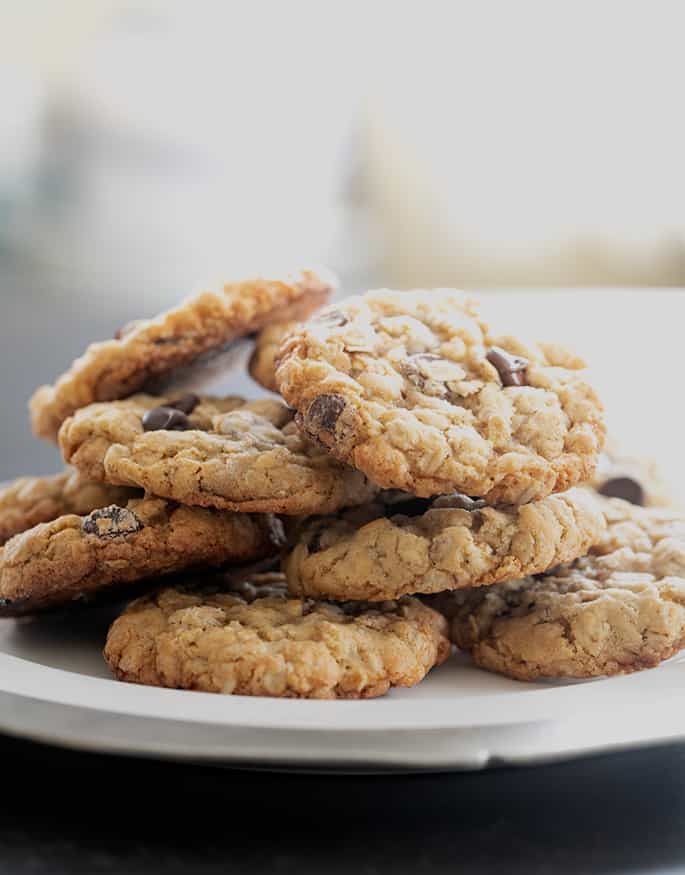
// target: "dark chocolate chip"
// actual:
[[324, 412], [511, 368], [331, 318], [625, 488], [460, 501], [111, 522], [186, 403], [165, 419]]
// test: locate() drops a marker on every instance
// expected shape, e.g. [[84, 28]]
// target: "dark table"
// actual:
[[67, 812]]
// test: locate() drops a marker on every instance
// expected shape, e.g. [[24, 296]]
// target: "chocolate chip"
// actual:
[[165, 419], [331, 318], [111, 522], [625, 488], [511, 368], [324, 412], [459, 501], [186, 403]]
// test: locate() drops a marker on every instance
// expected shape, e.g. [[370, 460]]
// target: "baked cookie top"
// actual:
[[414, 390], [74, 558], [257, 641], [222, 453], [426, 546], [262, 365], [151, 348], [27, 501], [620, 609]]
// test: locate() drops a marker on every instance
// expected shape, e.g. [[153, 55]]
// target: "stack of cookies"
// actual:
[[421, 480]]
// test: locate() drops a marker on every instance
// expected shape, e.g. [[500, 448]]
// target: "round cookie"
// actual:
[[413, 389], [618, 610], [150, 348], [450, 543], [256, 640], [631, 478], [268, 342], [74, 558], [27, 501], [219, 453]]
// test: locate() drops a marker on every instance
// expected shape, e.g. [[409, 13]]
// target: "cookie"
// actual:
[[631, 478], [27, 501], [262, 365], [256, 640], [426, 546], [414, 390], [618, 610], [218, 453], [149, 348], [74, 557]]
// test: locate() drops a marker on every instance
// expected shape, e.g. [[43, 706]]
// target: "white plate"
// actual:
[[54, 685]]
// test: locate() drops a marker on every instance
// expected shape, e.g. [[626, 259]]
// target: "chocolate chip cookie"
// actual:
[[150, 348], [426, 546], [268, 342], [74, 557], [216, 453], [413, 389], [256, 640], [27, 501], [620, 609]]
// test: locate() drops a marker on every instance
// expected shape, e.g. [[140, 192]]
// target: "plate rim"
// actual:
[[58, 686]]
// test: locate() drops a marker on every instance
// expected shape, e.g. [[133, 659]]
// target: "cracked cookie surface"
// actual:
[[256, 640], [27, 501], [151, 348], [449, 543], [414, 390], [617, 610], [74, 557], [227, 454]]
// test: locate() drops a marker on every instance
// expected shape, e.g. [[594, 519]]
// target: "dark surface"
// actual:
[[67, 812]]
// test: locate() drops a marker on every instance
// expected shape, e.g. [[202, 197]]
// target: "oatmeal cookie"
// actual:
[[218, 453], [150, 348], [425, 546], [74, 557], [618, 610], [413, 389], [27, 501], [253, 639]]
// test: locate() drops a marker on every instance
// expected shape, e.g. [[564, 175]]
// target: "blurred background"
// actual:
[[148, 148]]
